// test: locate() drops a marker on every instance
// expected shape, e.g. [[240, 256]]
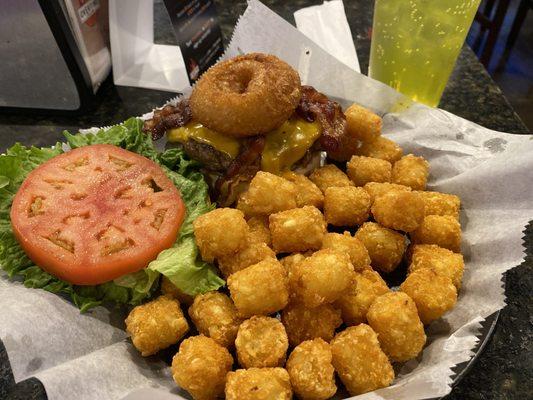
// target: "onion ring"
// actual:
[[246, 95]]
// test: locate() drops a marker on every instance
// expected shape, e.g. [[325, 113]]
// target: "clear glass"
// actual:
[[415, 44]]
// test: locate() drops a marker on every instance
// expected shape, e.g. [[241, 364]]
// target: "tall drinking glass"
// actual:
[[415, 44]]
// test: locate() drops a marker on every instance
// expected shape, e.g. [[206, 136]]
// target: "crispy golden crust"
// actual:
[[432, 293], [362, 170], [362, 124], [436, 203], [259, 231], [375, 189], [329, 176], [354, 304], [307, 193], [260, 289], [411, 171], [246, 95], [346, 206], [385, 246], [261, 342], [399, 210], [299, 229], [215, 316], [382, 148], [347, 244], [258, 384], [311, 372], [302, 323], [395, 319], [443, 261], [156, 325], [251, 254], [359, 361], [200, 367], [442, 230]]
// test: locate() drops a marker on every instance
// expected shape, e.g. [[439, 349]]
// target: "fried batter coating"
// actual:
[[267, 194], [321, 278], [359, 360], [436, 203], [347, 244], [375, 189], [200, 367], [346, 206], [261, 342], [251, 254], [395, 319], [432, 293], [215, 316], [442, 230], [329, 176], [311, 371], [155, 325], [259, 231], [411, 171], [220, 232], [302, 323], [382, 148], [362, 170], [260, 289], [362, 124], [258, 384], [399, 210], [443, 261], [299, 229], [168, 288], [385, 246], [354, 304], [307, 193], [289, 261]]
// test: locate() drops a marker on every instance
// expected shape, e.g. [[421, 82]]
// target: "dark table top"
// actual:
[[504, 369]]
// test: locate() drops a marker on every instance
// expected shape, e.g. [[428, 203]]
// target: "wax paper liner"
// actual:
[[88, 356]]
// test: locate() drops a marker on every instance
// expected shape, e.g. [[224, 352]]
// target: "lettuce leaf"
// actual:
[[180, 263]]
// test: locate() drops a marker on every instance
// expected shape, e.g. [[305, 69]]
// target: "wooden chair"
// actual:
[[490, 20], [521, 13]]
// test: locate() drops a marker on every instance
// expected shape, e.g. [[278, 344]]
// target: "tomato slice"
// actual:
[[96, 213]]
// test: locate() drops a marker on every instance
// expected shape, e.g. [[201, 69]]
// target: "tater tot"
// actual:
[[329, 176], [432, 293], [402, 211], [289, 261], [258, 384], [375, 189], [346, 206], [382, 148], [395, 319], [354, 304], [261, 342], [443, 261], [200, 367], [302, 323], [362, 170], [251, 254], [260, 289], [359, 360], [347, 244], [362, 124], [321, 278], [311, 371], [299, 229], [220, 232], [385, 246], [168, 288], [215, 316], [259, 231], [155, 325], [267, 194], [442, 230], [411, 171], [436, 203], [307, 193]]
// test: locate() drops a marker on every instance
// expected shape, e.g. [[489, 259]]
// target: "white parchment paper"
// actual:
[[87, 357]]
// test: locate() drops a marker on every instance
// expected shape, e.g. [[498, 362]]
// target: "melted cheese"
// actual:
[[198, 132], [288, 144]]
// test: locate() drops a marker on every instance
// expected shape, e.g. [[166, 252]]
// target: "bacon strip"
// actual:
[[168, 117]]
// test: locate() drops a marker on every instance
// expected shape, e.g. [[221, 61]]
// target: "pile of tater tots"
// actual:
[[306, 260]]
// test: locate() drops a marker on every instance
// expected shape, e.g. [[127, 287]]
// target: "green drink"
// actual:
[[415, 44]]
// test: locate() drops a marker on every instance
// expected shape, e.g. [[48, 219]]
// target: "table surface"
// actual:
[[504, 369]]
